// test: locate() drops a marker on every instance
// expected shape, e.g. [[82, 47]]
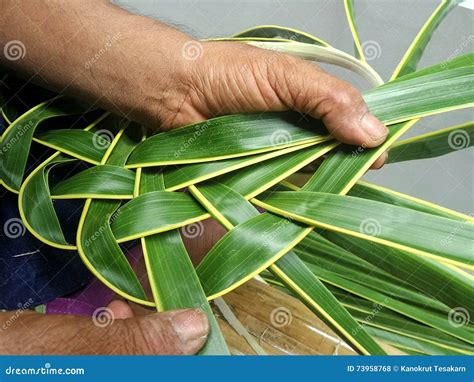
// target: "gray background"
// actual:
[[446, 180]]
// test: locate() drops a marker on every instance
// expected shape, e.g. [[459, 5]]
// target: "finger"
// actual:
[[175, 332], [306, 88], [381, 160], [120, 309]]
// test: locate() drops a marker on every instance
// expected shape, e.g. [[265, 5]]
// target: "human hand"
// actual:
[[229, 77], [120, 332], [153, 73]]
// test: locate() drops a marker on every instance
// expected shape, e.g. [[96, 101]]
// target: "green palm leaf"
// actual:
[[229, 208], [173, 280], [103, 181], [227, 137], [96, 243], [80, 144], [343, 256], [433, 144], [155, 212], [394, 226], [36, 207], [16, 140]]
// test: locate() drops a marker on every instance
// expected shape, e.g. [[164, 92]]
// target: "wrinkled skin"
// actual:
[[144, 72]]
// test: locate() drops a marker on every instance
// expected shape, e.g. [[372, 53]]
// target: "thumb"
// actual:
[[304, 87], [175, 332], [181, 331]]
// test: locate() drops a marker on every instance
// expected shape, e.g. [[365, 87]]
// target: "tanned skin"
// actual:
[[154, 74]]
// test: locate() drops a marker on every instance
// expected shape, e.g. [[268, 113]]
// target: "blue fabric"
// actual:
[[31, 272]]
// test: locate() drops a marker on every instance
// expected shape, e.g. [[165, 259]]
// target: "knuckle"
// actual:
[[156, 336], [347, 97], [296, 82]]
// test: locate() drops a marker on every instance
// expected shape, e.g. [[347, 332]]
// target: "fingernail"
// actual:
[[190, 325], [375, 129]]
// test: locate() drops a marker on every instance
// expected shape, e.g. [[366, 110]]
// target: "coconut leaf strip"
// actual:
[[16, 140], [172, 276], [80, 144], [437, 321], [358, 50], [230, 208], [276, 31], [177, 177], [416, 49], [96, 243], [382, 223], [36, 208], [227, 137], [98, 182], [434, 144], [34, 201]]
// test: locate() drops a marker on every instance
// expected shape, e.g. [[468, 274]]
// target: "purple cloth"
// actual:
[[95, 295]]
